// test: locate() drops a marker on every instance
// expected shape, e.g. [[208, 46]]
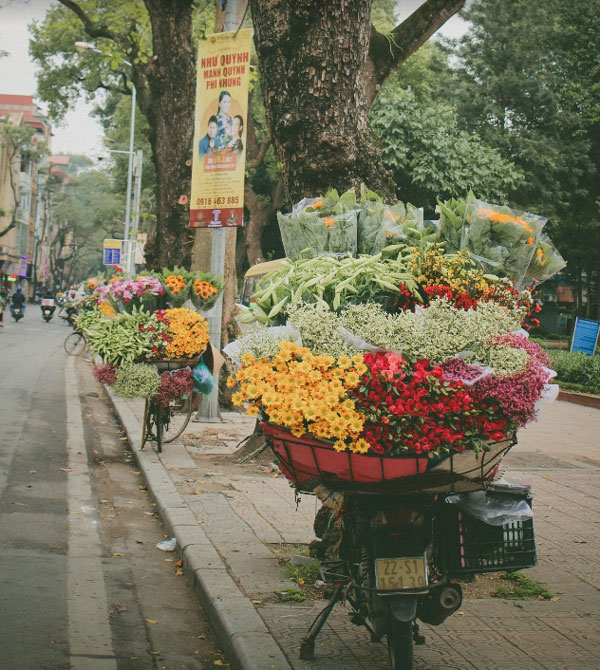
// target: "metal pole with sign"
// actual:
[[218, 166]]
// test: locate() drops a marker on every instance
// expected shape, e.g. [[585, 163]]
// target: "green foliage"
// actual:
[[303, 574], [520, 587], [293, 595], [431, 157], [64, 74], [577, 368]]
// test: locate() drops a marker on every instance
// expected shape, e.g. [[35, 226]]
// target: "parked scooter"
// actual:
[[400, 556], [48, 308], [17, 313]]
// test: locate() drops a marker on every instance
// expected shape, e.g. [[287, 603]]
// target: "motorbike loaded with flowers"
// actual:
[[154, 343], [390, 382]]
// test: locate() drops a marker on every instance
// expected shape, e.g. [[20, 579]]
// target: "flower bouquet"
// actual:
[[502, 240], [326, 225], [126, 294], [205, 290], [177, 284]]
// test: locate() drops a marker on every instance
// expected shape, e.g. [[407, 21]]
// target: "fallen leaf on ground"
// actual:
[[66, 469], [257, 602], [179, 563], [32, 472], [152, 620], [16, 502], [116, 554]]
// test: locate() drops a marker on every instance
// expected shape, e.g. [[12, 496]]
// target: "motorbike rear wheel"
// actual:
[[400, 645]]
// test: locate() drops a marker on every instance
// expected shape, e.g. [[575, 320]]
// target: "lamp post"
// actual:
[[87, 46]]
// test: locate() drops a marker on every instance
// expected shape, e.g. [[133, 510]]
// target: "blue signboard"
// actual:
[[112, 252], [585, 336]]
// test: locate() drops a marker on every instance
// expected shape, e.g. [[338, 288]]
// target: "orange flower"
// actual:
[[499, 217], [189, 331], [318, 204], [204, 289], [530, 240], [329, 221]]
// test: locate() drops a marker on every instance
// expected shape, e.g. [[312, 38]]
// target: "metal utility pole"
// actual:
[[208, 406]]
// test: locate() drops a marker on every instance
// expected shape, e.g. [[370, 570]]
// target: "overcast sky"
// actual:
[[80, 133]]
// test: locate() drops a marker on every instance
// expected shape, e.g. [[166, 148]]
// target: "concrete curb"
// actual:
[[586, 399], [240, 631]]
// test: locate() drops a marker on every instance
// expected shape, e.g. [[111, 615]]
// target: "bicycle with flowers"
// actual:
[[151, 356]]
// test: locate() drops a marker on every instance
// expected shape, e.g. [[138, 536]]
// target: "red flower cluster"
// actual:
[[174, 385], [412, 407], [460, 299]]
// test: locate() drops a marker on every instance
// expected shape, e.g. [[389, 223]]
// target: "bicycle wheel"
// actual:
[[75, 344], [177, 417]]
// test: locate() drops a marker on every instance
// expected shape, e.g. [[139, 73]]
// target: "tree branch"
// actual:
[[92, 29], [387, 52]]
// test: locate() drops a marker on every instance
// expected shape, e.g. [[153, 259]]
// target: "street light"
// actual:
[[129, 267]]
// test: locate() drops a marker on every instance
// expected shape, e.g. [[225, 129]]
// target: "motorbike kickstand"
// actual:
[[417, 638], [307, 646]]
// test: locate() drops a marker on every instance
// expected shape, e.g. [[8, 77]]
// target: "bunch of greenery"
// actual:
[[577, 370], [136, 380]]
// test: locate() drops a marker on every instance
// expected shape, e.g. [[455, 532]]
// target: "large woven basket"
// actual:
[[308, 462]]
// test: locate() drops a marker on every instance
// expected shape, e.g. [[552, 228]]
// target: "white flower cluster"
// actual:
[[261, 343], [318, 326]]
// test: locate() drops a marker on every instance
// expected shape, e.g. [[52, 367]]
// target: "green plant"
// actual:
[[520, 587], [293, 595], [577, 368], [303, 574]]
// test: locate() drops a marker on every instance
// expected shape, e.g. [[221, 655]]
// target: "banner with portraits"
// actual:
[[219, 157]]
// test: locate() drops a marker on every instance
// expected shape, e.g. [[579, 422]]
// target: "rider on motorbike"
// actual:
[[17, 300]]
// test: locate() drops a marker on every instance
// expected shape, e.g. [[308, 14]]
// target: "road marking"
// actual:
[[90, 637]]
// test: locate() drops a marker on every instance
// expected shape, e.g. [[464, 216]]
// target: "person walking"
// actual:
[[2, 306]]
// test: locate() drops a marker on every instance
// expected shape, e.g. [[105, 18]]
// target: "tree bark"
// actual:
[[169, 109], [321, 65], [312, 59]]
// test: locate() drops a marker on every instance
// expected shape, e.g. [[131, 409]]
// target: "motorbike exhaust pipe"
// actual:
[[439, 604]]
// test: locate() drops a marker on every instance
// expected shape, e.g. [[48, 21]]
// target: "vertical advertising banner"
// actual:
[[218, 164]]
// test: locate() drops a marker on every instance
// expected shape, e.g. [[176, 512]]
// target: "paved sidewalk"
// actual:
[[229, 519]]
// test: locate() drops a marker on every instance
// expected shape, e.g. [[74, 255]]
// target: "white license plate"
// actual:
[[396, 574]]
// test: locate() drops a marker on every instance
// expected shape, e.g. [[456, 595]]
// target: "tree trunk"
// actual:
[[169, 110], [312, 68]]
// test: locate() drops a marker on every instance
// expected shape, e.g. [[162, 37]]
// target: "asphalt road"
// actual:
[[82, 584]]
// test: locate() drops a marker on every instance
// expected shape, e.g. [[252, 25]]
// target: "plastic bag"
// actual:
[[167, 545], [545, 262], [502, 240], [203, 379], [493, 507]]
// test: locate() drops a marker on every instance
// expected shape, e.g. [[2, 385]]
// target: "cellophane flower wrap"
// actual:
[[501, 239], [319, 226], [205, 289]]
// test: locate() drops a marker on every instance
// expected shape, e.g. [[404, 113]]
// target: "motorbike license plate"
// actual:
[[396, 574]]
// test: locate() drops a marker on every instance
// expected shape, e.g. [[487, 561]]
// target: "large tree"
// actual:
[[528, 84], [321, 66], [148, 45]]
